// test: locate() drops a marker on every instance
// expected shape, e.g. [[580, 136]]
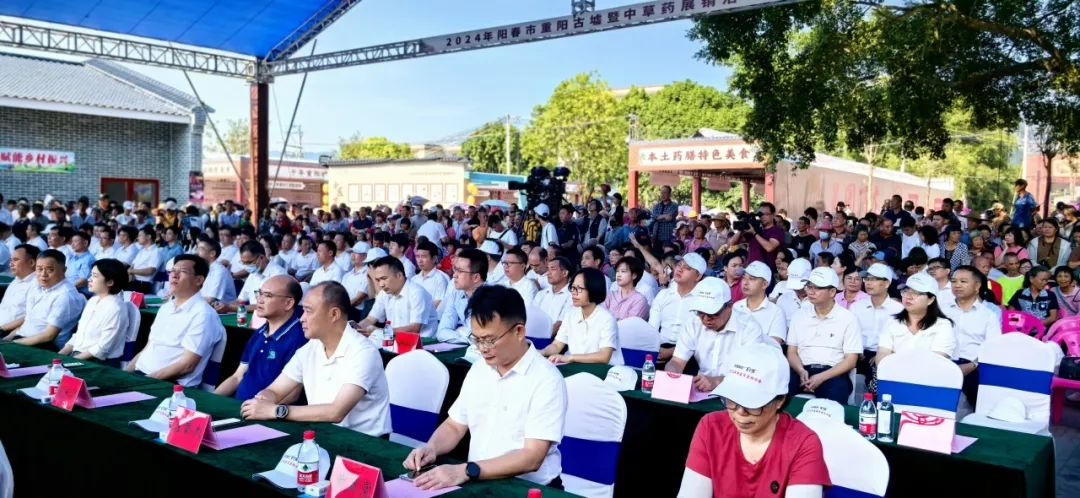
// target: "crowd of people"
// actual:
[[756, 306]]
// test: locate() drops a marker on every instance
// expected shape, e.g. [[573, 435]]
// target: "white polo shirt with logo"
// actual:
[[712, 348], [825, 340], [971, 328], [938, 338], [193, 326], [412, 305]]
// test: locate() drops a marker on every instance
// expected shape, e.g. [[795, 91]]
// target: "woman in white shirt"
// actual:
[[103, 327], [921, 324], [588, 328]]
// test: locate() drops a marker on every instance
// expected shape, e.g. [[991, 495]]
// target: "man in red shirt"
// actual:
[[754, 449]]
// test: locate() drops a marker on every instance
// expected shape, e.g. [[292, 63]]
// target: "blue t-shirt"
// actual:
[[1023, 206], [266, 356]]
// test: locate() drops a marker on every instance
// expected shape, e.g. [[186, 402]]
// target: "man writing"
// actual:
[[519, 435]]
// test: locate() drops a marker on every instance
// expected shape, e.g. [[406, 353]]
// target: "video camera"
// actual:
[[544, 186], [747, 221]]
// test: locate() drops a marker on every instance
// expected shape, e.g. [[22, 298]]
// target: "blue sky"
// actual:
[[434, 97]]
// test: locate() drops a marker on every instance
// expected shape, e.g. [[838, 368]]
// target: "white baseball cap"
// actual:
[[129, 205], [881, 271], [760, 270], [542, 210], [824, 277], [709, 295], [361, 247], [491, 247], [374, 254], [798, 271], [696, 262], [756, 374], [622, 377], [822, 409], [922, 282], [284, 474]]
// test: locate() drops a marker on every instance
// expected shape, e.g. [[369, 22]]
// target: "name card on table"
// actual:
[[674, 387], [352, 479], [72, 391], [189, 430], [927, 432]]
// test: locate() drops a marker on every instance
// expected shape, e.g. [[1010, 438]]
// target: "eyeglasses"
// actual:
[[261, 294], [459, 270], [733, 406], [576, 290], [490, 343]]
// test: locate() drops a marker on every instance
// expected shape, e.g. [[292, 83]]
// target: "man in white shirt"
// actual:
[[538, 257], [328, 270], [669, 311], [593, 257], [470, 271], [356, 281], [399, 242], [755, 306], [304, 263], [5, 247], [33, 236], [59, 238], [341, 245], [236, 265], [549, 237], [939, 269], [53, 306], [713, 335], [219, 285], [432, 230], [973, 321], [229, 249], [10, 240], [555, 300], [875, 313], [406, 305], [502, 235], [106, 244], [185, 331], [13, 306], [258, 267], [496, 275], [824, 343], [146, 262], [127, 248], [433, 280], [288, 250], [340, 370], [512, 404], [514, 263]]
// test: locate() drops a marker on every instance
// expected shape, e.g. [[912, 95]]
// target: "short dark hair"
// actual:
[[81, 234], [543, 254], [54, 255], [381, 236], [495, 301], [114, 270], [390, 261], [30, 249], [518, 253], [132, 232], [401, 239], [150, 233], [215, 247], [771, 206], [565, 264], [329, 244], [944, 262], [635, 267], [296, 292], [254, 247], [334, 295], [595, 284], [428, 247], [596, 251], [202, 268], [478, 262]]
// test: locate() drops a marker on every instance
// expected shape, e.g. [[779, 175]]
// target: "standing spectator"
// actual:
[[1024, 206], [763, 240], [663, 215]]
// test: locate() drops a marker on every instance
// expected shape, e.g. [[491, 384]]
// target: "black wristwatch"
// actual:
[[472, 470], [281, 412]]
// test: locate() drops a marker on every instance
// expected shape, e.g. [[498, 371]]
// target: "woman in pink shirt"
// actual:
[[697, 240], [625, 301]]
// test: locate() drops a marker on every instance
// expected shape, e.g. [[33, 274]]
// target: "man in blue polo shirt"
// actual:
[[273, 344]]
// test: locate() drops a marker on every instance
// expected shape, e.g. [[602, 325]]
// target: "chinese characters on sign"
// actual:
[[45, 161], [688, 155], [599, 20]]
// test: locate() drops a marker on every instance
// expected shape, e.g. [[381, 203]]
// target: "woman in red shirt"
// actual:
[[754, 449]]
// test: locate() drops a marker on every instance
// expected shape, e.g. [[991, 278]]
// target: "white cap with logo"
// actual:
[[374, 254], [622, 377], [824, 277], [798, 271], [756, 374], [757, 269], [709, 296], [822, 408]]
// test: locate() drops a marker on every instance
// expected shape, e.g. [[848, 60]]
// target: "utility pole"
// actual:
[[507, 145], [870, 150]]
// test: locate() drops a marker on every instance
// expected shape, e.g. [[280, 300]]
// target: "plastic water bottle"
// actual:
[[388, 335], [241, 315], [307, 462], [175, 401], [868, 417], [56, 372], [648, 375], [884, 419]]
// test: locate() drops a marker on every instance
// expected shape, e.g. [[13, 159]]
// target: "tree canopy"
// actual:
[[486, 148], [373, 148], [236, 134]]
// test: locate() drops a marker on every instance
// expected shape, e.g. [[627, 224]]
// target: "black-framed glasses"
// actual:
[[574, 289], [509, 263], [261, 294], [733, 406], [490, 343]]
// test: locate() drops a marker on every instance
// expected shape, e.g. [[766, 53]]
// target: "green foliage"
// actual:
[[681, 194], [373, 148], [236, 133], [680, 109], [845, 73], [486, 148]]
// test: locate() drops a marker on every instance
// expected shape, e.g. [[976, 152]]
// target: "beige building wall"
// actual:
[[391, 183]]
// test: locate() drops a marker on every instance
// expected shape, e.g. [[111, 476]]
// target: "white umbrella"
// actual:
[[417, 200], [496, 203]]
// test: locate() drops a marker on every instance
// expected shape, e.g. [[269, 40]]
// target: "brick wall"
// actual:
[[103, 147]]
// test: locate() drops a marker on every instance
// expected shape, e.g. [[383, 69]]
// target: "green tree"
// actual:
[[373, 148], [236, 133], [582, 126], [486, 148], [832, 73], [680, 109]]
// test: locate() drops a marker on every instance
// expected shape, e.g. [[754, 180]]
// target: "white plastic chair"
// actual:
[[212, 373], [537, 327], [1015, 366], [921, 381], [636, 339], [595, 419], [414, 412], [856, 466], [131, 335]]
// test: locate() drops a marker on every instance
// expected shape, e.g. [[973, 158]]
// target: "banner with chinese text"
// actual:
[[41, 161]]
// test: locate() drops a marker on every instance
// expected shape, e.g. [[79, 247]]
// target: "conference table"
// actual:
[[59, 453], [658, 433]]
